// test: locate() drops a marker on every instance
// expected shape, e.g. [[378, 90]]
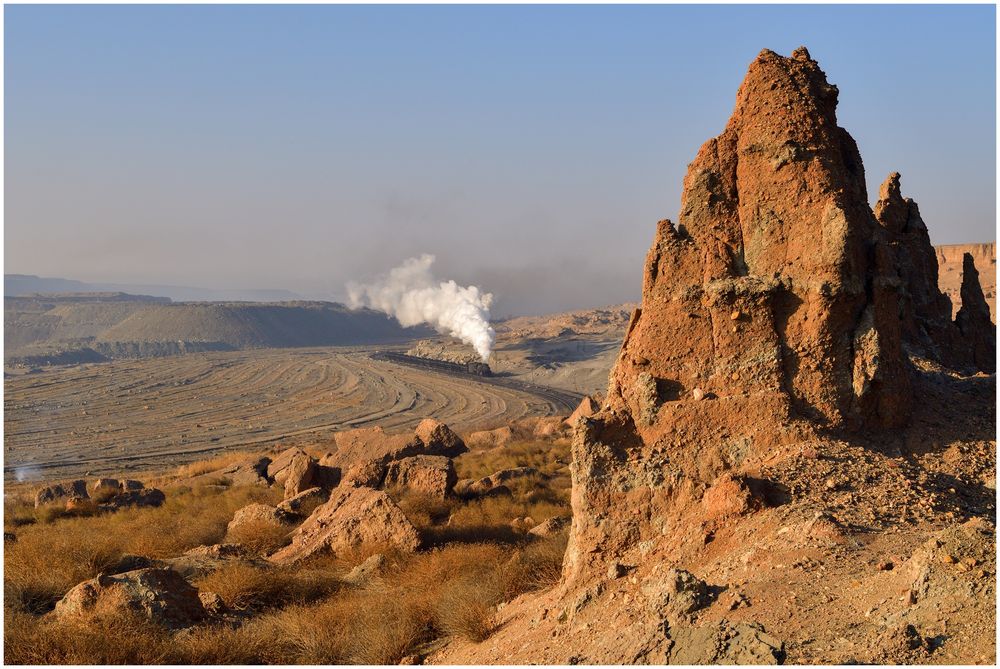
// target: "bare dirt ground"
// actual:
[[150, 414]]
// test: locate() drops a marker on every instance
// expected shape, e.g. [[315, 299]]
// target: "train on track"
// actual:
[[474, 368]]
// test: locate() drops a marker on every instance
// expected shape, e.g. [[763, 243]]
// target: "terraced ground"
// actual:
[[151, 414]]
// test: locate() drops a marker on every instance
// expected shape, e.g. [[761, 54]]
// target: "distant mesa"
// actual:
[[88, 327]]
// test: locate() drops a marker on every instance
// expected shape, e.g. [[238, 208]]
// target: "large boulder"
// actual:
[[279, 467], [61, 493], [299, 475], [305, 502], [439, 439], [352, 517], [144, 497], [432, 475], [487, 439], [251, 471], [104, 488], [431, 437], [161, 595], [255, 516], [588, 407]]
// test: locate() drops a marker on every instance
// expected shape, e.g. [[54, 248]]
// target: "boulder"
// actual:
[[367, 473], [299, 475], [254, 516], [439, 439], [487, 439], [730, 496], [104, 488], [305, 502], [144, 497], [81, 506], [278, 468], [351, 518], [61, 492], [588, 407], [549, 427], [551, 527], [432, 475], [365, 571], [674, 593], [203, 560], [494, 484], [161, 595], [252, 471], [431, 437]]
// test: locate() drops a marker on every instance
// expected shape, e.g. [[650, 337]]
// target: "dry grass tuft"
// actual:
[[247, 586], [260, 537]]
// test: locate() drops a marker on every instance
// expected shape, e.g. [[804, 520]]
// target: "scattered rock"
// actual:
[[364, 572], [144, 497], [588, 407], [351, 518], [486, 439], [305, 502], [254, 516], [432, 475], [298, 475], [60, 492], [673, 593], [552, 526], [161, 595]]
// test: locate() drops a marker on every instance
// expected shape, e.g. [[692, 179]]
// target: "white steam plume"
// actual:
[[412, 294]]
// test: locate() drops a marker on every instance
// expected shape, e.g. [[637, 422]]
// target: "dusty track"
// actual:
[[150, 414]]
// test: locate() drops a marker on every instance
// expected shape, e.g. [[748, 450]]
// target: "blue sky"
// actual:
[[531, 148]]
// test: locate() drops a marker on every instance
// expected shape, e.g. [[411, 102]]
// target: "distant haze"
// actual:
[[530, 149]]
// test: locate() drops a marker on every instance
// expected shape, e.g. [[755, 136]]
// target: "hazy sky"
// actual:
[[532, 149]]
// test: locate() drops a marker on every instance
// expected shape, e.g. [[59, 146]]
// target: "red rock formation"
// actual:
[[771, 309]]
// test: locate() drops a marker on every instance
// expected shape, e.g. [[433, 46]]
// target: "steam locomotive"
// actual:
[[474, 368]]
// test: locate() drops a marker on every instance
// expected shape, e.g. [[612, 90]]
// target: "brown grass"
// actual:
[[246, 586], [302, 613], [48, 559], [260, 537]]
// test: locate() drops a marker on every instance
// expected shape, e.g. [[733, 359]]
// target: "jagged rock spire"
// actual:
[[973, 318], [769, 311], [924, 310]]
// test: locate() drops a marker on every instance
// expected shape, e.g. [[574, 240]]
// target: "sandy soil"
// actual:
[[147, 414]]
